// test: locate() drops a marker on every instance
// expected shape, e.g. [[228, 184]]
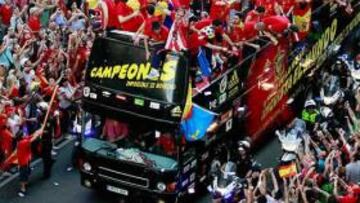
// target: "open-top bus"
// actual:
[[151, 158]]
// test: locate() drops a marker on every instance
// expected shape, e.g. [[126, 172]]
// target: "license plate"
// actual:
[[117, 190]]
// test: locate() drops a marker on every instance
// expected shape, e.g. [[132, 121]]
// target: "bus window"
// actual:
[[114, 130]]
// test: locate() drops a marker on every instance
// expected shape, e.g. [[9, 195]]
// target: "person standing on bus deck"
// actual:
[[128, 19], [310, 115], [108, 9]]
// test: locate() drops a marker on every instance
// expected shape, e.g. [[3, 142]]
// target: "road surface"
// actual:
[[69, 189]]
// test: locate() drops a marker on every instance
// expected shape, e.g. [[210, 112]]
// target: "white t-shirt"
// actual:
[[14, 123], [65, 93]]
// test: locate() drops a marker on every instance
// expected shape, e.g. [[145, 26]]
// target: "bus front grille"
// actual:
[[124, 178]]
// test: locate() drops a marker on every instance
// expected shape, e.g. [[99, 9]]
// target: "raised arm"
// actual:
[[274, 182]]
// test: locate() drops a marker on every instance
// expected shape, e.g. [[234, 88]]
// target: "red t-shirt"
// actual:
[[208, 22], [276, 24], [3, 119], [220, 12], [252, 16], [14, 92], [131, 25], [181, 3], [24, 151], [203, 23], [302, 18], [159, 37], [148, 23], [82, 54], [237, 33], [269, 6], [6, 141], [347, 199], [196, 41], [6, 13], [34, 23], [286, 5], [249, 30], [167, 144], [236, 6], [113, 21]]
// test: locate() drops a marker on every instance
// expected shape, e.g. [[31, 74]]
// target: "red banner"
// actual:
[[267, 73]]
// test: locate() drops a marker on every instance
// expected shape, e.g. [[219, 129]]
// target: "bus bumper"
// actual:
[[91, 181]]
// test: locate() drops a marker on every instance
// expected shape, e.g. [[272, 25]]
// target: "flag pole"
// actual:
[[37, 133]]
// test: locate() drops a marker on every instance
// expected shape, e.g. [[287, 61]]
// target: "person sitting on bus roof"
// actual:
[[129, 19], [159, 34]]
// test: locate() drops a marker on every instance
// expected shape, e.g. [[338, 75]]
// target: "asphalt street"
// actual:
[[64, 186]]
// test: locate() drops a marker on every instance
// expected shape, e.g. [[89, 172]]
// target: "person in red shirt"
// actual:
[[6, 141], [34, 19], [218, 27], [256, 14], [202, 39], [280, 25], [6, 13], [219, 9], [181, 4], [286, 7], [159, 34], [352, 192], [24, 158], [167, 143], [129, 19], [237, 32], [146, 26], [276, 24], [251, 30], [302, 17], [108, 10], [254, 30], [82, 55], [236, 28], [269, 6]]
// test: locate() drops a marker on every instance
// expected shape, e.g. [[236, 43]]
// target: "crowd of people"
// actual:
[[45, 46], [327, 162]]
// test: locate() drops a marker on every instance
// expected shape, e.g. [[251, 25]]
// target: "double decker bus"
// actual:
[[144, 153]]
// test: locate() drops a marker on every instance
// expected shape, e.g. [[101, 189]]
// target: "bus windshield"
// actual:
[[131, 142]]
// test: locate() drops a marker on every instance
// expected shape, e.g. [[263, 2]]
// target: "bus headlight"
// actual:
[[161, 186], [87, 166]]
